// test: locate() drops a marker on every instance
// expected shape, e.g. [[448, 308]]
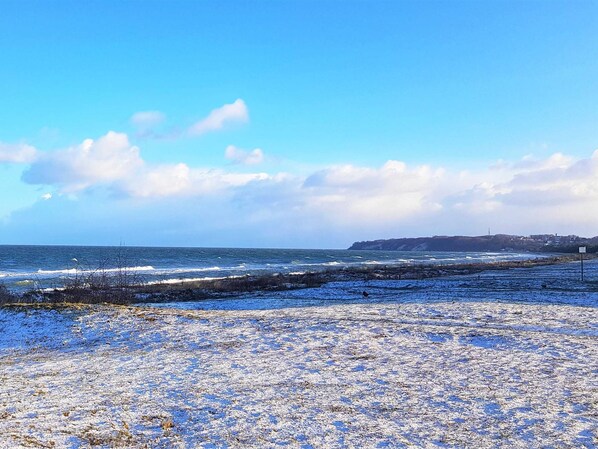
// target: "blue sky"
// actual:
[[279, 123]]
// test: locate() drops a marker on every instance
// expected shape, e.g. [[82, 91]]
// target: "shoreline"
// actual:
[[232, 287], [220, 288]]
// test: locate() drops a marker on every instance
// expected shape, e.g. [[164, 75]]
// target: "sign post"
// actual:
[[582, 251]]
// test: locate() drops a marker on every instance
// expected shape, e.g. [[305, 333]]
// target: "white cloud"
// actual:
[[555, 194], [554, 184], [530, 163], [220, 117], [180, 180], [373, 195], [17, 153], [108, 159], [240, 156], [112, 162], [147, 119], [148, 123], [166, 180], [46, 196]]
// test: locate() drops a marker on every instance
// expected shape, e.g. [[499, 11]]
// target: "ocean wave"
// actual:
[[189, 270], [99, 270], [66, 271], [186, 280], [183, 270]]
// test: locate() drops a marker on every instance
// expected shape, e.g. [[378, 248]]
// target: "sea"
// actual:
[[24, 267]]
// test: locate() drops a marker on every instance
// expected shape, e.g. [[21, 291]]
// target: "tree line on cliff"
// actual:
[[495, 243]]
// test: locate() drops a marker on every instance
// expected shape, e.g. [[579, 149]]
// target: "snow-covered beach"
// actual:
[[498, 359]]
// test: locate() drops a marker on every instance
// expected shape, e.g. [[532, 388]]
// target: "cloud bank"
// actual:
[[338, 203]]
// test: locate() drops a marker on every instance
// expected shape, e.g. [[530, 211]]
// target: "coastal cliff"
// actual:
[[497, 242]]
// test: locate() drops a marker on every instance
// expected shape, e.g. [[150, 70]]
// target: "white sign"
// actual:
[[582, 249]]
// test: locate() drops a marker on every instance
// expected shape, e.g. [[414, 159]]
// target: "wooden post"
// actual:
[[582, 250]]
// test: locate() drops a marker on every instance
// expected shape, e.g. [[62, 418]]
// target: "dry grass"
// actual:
[[303, 377]]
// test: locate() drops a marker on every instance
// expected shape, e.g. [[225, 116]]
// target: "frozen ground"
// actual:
[[505, 359]]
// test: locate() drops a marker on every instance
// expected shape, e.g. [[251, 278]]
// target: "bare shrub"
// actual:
[[112, 281], [6, 296]]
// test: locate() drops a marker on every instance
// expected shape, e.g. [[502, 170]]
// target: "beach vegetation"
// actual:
[[6, 296], [113, 281]]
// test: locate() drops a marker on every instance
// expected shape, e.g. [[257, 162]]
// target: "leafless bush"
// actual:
[[6, 296], [112, 281]]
